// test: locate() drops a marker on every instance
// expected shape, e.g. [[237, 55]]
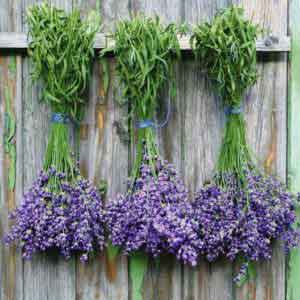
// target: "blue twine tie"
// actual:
[[230, 110], [60, 118], [151, 124], [145, 124]]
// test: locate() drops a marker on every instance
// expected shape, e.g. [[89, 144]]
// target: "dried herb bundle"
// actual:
[[61, 49], [148, 216], [145, 51], [243, 210], [61, 210], [226, 48]]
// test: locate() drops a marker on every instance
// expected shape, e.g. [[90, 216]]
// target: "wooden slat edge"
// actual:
[[16, 40], [293, 271]]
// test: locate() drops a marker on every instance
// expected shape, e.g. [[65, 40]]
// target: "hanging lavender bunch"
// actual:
[[70, 220], [244, 222], [61, 210], [153, 215], [243, 210]]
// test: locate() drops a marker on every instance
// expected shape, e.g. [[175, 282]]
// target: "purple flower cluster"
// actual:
[[155, 216], [244, 222], [70, 220]]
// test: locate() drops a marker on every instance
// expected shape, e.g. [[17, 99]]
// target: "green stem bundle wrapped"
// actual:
[[226, 48], [234, 155], [61, 49], [145, 50], [59, 154]]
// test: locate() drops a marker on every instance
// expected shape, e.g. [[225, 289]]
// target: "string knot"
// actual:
[[145, 124], [150, 123], [233, 110], [60, 118]]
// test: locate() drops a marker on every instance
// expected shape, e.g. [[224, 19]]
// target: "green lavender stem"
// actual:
[[59, 154], [234, 156], [145, 145]]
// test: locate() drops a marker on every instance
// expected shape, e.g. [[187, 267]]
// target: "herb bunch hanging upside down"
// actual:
[[61, 210], [243, 211], [153, 215]]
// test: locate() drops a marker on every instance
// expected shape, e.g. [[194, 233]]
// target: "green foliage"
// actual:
[[61, 48], [145, 51], [234, 155], [59, 154], [138, 263], [102, 188], [112, 251], [227, 49]]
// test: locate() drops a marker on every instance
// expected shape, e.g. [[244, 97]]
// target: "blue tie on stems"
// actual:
[[60, 118]]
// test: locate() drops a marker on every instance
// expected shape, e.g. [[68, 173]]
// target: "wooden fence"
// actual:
[[191, 141]]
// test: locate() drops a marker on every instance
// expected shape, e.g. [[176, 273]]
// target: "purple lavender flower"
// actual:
[[155, 216], [70, 220], [245, 222]]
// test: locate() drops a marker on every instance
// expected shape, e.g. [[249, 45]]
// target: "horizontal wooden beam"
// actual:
[[16, 40]]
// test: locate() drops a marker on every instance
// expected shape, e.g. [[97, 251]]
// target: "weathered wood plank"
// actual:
[[11, 265], [18, 40], [46, 276], [293, 274], [103, 157], [266, 126], [10, 262], [100, 150]]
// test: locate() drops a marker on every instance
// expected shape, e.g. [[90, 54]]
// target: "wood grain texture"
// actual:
[[11, 265], [103, 157], [47, 276], [10, 262], [293, 274]]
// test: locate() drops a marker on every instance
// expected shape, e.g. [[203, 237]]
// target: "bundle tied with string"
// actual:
[[147, 218], [242, 211], [61, 210]]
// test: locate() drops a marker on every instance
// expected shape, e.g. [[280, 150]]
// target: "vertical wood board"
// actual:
[[293, 274]]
